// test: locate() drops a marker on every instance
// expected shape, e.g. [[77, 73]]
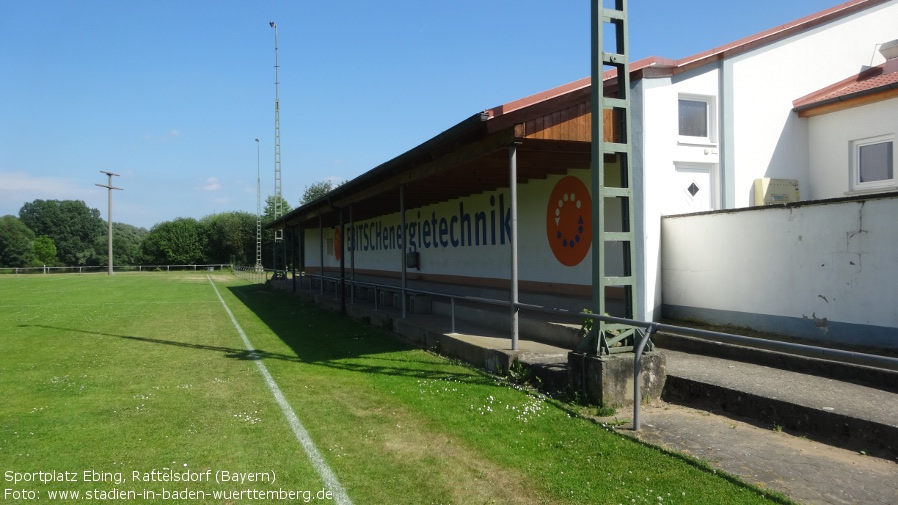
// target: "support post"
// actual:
[[452, 312], [351, 241], [321, 254], [402, 227], [293, 255], [513, 195], [637, 375], [342, 265]]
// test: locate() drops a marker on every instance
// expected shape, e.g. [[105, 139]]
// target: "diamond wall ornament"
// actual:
[[692, 189]]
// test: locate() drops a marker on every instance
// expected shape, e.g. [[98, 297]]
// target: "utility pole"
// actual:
[[110, 187], [258, 212]]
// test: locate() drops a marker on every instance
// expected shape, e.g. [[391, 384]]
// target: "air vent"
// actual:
[[889, 50], [770, 191]]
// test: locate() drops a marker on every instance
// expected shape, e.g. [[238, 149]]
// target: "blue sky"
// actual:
[[172, 94]]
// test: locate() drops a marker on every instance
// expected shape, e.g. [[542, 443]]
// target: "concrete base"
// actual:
[[608, 380]]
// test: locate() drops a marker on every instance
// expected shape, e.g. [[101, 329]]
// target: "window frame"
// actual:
[[856, 145], [710, 120]]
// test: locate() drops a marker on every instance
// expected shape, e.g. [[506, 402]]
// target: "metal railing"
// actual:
[[252, 274], [46, 270], [646, 331]]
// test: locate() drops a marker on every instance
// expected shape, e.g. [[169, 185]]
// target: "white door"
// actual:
[[693, 189]]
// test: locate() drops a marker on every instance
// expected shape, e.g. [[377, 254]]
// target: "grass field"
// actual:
[[111, 385]]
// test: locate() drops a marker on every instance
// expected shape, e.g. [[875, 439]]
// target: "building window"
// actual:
[[874, 163], [696, 119]]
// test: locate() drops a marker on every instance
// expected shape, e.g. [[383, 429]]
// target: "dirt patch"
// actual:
[[464, 474]]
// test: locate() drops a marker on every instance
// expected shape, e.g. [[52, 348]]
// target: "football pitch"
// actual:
[[195, 388]]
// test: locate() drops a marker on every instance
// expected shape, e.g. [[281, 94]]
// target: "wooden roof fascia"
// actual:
[[540, 108]]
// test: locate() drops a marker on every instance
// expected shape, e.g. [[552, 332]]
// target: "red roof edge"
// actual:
[[642, 68], [777, 33], [813, 97], [579, 84]]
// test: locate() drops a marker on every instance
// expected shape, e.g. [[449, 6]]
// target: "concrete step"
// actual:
[[841, 413], [879, 378]]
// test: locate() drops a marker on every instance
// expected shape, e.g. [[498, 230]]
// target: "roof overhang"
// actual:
[[551, 132]]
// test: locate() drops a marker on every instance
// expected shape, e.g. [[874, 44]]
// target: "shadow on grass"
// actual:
[[229, 352], [322, 337], [316, 337]]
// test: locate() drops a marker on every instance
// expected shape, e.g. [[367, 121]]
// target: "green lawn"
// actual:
[[113, 378]]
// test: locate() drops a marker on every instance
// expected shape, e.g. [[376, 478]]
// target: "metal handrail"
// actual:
[[650, 328], [811, 351], [826, 353]]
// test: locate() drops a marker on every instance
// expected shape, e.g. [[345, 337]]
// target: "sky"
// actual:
[[172, 94]]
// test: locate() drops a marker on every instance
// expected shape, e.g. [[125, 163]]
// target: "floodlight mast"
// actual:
[[109, 187], [278, 211]]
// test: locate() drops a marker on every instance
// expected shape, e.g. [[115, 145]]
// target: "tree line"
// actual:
[[69, 233]]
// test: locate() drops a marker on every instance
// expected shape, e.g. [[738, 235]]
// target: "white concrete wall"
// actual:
[[826, 271], [830, 137]]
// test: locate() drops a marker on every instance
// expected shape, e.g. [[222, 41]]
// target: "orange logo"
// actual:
[[338, 244], [569, 221]]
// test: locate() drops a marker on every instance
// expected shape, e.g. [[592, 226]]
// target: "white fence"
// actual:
[[825, 270], [45, 270]]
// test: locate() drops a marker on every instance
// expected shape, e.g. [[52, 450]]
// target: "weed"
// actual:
[[605, 411], [614, 423], [586, 324], [519, 374]]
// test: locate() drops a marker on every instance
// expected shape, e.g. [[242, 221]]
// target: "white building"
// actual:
[[704, 129], [823, 269], [737, 124]]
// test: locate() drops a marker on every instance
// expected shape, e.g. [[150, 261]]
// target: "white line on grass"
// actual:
[[302, 436]]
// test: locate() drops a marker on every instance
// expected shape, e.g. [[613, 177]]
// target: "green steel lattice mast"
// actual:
[[613, 251]]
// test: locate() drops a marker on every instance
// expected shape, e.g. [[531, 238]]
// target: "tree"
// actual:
[[268, 211], [126, 241], [317, 190], [230, 237], [268, 235], [15, 242], [44, 251], [71, 225], [177, 242]]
